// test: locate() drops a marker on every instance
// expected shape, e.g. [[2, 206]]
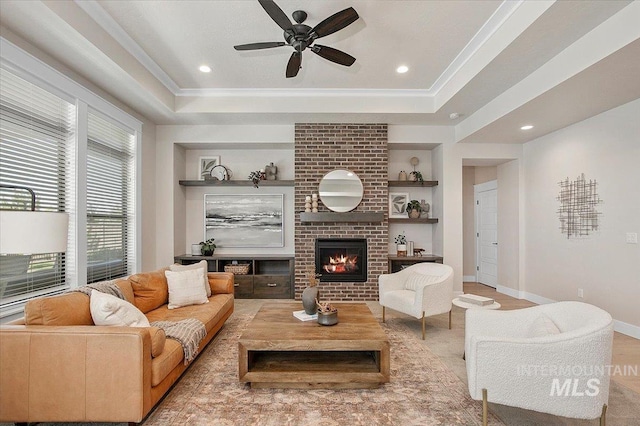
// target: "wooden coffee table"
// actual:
[[278, 350]]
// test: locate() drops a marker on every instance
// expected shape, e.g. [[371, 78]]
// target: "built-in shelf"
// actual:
[[235, 183], [397, 183], [409, 220], [335, 217], [396, 263]]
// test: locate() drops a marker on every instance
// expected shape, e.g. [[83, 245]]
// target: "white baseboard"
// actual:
[[469, 279], [619, 326], [628, 329]]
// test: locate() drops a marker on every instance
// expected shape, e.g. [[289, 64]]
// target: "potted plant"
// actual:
[[401, 245], [414, 209], [207, 247], [416, 176], [327, 314]]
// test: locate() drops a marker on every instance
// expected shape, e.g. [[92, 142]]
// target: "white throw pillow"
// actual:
[[542, 326], [185, 288], [200, 265], [110, 310]]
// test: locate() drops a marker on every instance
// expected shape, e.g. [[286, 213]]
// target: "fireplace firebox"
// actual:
[[341, 259]]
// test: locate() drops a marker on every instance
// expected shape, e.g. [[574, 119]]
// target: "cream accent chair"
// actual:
[[421, 290], [547, 358]]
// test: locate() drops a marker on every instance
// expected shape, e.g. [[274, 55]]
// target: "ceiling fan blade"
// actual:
[[333, 55], [294, 64], [256, 46], [335, 22], [276, 14]]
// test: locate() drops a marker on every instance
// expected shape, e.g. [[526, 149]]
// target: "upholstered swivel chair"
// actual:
[[551, 358], [421, 290]]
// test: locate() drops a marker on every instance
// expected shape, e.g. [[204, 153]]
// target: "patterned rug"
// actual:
[[422, 391]]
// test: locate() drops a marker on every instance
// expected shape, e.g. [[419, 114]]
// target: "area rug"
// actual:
[[422, 391]]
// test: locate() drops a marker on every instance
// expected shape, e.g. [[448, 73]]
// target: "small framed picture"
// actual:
[[206, 164], [398, 204]]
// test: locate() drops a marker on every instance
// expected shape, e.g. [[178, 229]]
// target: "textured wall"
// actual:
[[361, 148]]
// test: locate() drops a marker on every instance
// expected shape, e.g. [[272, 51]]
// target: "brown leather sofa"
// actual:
[[56, 365]]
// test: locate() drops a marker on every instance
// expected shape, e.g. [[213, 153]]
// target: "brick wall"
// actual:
[[361, 148]]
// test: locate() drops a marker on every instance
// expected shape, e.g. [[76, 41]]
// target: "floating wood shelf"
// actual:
[[235, 183], [335, 217], [409, 220], [397, 183]]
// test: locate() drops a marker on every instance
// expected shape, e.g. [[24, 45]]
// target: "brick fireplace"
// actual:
[[361, 148]]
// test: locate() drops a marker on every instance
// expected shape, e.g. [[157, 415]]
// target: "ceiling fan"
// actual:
[[300, 36]]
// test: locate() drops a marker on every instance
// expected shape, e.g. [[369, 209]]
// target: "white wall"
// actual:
[[509, 221], [605, 148]]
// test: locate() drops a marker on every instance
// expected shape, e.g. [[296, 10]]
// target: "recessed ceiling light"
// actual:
[[527, 127], [402, 69], [204, 68]]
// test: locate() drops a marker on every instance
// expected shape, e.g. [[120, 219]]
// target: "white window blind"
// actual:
[[36, 139], [110, 200]]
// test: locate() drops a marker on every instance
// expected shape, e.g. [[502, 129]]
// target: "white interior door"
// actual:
[[487, 233]]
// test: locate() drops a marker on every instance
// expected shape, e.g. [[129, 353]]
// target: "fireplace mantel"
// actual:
[[334, 217]]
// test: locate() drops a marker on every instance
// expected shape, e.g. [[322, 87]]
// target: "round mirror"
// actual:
[[341, 190]]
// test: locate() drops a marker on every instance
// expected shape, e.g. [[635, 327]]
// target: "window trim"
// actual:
[[41, 74]]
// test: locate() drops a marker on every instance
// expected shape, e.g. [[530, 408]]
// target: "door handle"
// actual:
[[272, 285], [495, 244]]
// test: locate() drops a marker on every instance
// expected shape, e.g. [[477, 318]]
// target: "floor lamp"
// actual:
[[30, 231]]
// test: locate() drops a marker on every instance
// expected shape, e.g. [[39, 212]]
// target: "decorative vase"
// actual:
[[207, 252], [195, 250], [328, 318], [309, 296], [414, 213], [401, 250], [402, 175], [271, 171], [412, 177]]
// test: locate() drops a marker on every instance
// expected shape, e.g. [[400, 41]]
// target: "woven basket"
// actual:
[[239, 269]]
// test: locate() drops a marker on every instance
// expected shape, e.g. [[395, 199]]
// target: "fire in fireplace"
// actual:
[[341, 259]]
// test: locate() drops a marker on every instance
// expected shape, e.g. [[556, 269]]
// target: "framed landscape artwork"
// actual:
[[206, 164], [244, 220], [398, 204]]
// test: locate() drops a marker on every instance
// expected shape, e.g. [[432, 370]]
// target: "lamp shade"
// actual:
[[33, 232]]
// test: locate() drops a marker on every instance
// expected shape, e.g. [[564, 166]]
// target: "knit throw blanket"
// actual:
[[188, 332], [108, 287]]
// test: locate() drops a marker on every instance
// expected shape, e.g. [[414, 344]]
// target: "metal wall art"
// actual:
[[578, 201]]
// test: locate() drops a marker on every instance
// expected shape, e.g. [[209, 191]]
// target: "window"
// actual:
[[80, 154], [36, 139], [110, 201]]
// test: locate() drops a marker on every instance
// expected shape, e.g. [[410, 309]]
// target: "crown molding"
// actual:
[[303, 93], [102, 18]]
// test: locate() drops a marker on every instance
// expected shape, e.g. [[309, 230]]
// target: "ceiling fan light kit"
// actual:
[[300, 36]]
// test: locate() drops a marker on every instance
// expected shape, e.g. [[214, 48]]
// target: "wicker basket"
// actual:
[[239, 269]]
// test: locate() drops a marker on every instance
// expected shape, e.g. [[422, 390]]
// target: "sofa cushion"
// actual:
[[127, 291], [149, 290], [164, 363], [209, 314], [110, 310], [186, 288], [64, 309], [200, 265]]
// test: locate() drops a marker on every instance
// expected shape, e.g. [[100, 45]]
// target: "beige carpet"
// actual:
[[423, 391]]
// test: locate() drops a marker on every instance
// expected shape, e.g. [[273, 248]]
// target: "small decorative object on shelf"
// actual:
[[255, 178], [206, 166], [314, 202], [195, 250], [311, 294], [416, 176], [327, 314], [307, 204], [425, 208], [271, 171], [207, 247], [402, 175], [417, 252], [414, 209], [401, 245]]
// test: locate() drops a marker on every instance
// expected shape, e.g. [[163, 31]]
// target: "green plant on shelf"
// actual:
[[418, 176]]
